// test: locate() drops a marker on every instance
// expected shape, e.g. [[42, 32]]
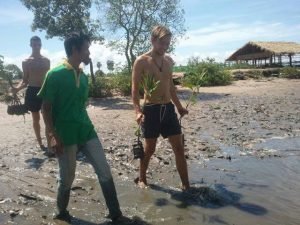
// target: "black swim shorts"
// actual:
[[160, 119], [32, 102]]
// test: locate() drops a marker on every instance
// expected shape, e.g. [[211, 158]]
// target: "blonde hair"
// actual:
[[160, 32]]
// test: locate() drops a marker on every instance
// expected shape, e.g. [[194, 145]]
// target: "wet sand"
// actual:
[[242, 146]]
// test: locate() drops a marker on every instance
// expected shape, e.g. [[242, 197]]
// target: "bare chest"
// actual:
[[161, 74], [37, 66]]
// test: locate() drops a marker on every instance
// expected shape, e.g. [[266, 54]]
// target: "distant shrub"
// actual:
[[290, 72], [255, 74], [179, 68], [240, 66], [216, 75], [3, 86], [121, 83], [102, 88], [105, 86]]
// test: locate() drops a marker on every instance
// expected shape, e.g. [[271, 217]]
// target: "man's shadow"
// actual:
[[35, 163], [129, 221], [214, 197]]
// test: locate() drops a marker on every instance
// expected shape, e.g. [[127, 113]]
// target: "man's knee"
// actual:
[[150, 146], [66, 182], [35, 117], [178, 149], [104, 175], [149, 150]]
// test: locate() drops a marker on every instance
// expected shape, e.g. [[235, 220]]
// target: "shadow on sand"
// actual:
[[124, 103], [109, 103], [37, 163], [128, 221], [213, 197], [184, 95]]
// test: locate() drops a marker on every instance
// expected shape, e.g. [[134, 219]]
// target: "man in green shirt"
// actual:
[[64, 93]]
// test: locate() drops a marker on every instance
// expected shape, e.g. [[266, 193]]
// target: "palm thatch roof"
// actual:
[[263, 50]]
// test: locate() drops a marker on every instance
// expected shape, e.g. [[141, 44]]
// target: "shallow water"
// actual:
[[244, 190], [257, 186], [283, 145]]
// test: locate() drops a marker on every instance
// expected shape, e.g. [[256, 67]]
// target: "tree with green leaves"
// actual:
[[1, 66], [99, 72], [9, 71], [60, 17], [14, 71], [132, 20], [110, 65], [99, 65]]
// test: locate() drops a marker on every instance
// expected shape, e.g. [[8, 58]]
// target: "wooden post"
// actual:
[[279, 59], [92, 72], [271, 60], [290, 58]]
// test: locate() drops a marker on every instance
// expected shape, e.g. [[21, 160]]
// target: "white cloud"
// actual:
[[99, 53], [54, 57], [17, 60], [220, 34], [220, 40], [182, 59]]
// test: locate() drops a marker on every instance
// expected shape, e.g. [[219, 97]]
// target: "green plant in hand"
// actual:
[[149, 84], [194, 83]]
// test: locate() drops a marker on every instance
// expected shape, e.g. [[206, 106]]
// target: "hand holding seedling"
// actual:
[[183, 111]]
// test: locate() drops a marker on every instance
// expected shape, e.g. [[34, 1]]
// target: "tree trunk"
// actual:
[[92, 72], [129, 63]]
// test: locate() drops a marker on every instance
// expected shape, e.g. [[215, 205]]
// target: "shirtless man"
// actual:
[[34, 68], [158, 115]]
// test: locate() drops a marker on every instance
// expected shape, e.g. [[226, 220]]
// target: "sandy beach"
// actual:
[[231, 134]]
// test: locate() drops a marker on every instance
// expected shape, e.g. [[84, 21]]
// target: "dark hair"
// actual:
[[75, 39], [35, 38]]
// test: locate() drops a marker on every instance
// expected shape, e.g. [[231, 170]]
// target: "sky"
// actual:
[[215, 28]]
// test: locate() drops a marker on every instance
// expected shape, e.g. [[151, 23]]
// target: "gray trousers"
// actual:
[[93, 150]]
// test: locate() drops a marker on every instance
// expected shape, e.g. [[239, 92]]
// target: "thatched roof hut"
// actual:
[[253, 51]]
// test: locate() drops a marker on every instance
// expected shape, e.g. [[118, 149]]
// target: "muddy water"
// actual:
[[251, 188], [242, 146], [244, 190]]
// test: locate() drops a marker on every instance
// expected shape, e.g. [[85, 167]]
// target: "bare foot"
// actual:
[[140, 184], [185, 187], [42, 147], [49, 152]]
